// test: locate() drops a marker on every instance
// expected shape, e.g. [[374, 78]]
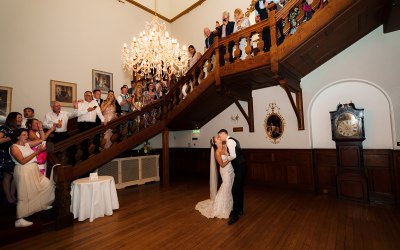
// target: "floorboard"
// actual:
[[155, 217]]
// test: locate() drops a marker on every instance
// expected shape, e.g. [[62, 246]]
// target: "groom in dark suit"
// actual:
[[239, 167]]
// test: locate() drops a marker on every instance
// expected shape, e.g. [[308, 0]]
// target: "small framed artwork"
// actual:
[[102, 80], [5, 100], [63, 92]]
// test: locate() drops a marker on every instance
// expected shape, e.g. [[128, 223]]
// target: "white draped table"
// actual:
[[93, 198]]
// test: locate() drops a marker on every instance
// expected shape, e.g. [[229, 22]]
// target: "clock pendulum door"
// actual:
[[347, 124]]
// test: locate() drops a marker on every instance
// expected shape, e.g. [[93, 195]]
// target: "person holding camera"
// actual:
[[225, 30]]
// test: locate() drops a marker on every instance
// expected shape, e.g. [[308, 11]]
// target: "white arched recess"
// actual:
[[378, 113]]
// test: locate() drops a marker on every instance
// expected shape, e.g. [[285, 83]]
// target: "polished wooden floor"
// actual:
[[156, 217]]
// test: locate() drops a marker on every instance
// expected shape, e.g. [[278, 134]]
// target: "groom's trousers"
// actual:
[[237, 188]]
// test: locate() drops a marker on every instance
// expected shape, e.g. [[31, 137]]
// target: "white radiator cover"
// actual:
[[132, 170]]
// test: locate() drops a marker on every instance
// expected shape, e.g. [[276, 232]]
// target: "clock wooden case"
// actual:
[[347, 124]]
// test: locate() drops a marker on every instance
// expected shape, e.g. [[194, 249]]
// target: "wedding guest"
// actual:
[[280, 24], [193, 56], [35, 128], [97, 98], [108, 108], [209, 38], [261, 9], [241, 22], [12, 123], [88, 110], [225, 30], [124, 100], [35, 191], [149, 97], [59, 118], [29, 113]]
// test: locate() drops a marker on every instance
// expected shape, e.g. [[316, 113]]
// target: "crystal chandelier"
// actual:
[[154, 53]]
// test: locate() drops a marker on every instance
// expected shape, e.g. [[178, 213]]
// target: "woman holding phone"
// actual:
[[35, 191]]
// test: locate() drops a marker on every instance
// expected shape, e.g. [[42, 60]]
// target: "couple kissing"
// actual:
[[227, 202]]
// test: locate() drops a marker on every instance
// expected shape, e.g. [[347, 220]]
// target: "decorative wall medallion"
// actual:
[[274, 124]]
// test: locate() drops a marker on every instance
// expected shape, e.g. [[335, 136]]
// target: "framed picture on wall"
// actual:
[[5, 100], [63, 92], [102, 80]]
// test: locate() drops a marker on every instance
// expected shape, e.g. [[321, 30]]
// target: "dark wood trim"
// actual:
[[298, 106]]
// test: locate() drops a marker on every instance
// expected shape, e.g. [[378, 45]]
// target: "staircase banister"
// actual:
[[95, 161], [247, 32], [209, 53], [284, 12], [78, 138]]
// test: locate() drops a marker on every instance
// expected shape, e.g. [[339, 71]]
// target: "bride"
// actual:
[[220, 203]]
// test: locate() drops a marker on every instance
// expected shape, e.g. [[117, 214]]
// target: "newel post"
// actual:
[[62, 202], [165, 157]]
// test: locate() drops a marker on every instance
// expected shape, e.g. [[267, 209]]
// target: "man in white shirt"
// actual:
[[60, 119], [88, 110]]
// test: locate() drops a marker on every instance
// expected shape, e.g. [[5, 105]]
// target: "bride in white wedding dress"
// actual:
[[220, 203]]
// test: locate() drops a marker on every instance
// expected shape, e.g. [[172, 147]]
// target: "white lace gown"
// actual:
[[221, 206]]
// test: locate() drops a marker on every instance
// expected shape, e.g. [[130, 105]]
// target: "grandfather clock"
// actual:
[[347, 124]]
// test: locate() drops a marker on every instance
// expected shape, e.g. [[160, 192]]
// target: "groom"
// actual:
[[239, 166]]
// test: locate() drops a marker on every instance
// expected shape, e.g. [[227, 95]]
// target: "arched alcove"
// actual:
[[377, 107]]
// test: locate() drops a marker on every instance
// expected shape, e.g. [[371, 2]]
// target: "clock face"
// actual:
[[347, 125]]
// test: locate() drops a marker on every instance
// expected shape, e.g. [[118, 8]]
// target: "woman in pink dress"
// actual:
[[36, 132]]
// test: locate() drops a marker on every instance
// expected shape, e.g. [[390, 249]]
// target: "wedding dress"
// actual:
[[219, 206]]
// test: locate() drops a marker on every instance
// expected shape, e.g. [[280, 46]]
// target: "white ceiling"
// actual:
[[167, 8]]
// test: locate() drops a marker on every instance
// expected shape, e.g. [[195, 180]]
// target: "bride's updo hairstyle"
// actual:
[[212, 143]]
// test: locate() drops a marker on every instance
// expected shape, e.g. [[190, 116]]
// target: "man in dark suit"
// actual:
[[225, 30], [239, 167], [261, 8], [209, 37], [97, 98]]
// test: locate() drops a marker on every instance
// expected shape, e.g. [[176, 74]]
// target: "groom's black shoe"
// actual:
[[233, 219], [241, 213]]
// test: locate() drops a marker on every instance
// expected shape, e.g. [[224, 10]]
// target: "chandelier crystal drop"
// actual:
[[154, 53]]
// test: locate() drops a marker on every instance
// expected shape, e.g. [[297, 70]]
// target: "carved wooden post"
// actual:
[[62, 203], [165, 155]]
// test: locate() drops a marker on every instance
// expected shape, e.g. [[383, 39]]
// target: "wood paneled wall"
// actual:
[[312, 170]]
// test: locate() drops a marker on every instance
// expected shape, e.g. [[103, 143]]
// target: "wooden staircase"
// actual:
[[210, 88]]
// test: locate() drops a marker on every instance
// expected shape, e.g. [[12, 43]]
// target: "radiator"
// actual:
[[132, 170]]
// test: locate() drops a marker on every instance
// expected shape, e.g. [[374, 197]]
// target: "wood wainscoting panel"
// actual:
[[396, 167], [325, 164], [301, 169], [379, 169], [287, 168]]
